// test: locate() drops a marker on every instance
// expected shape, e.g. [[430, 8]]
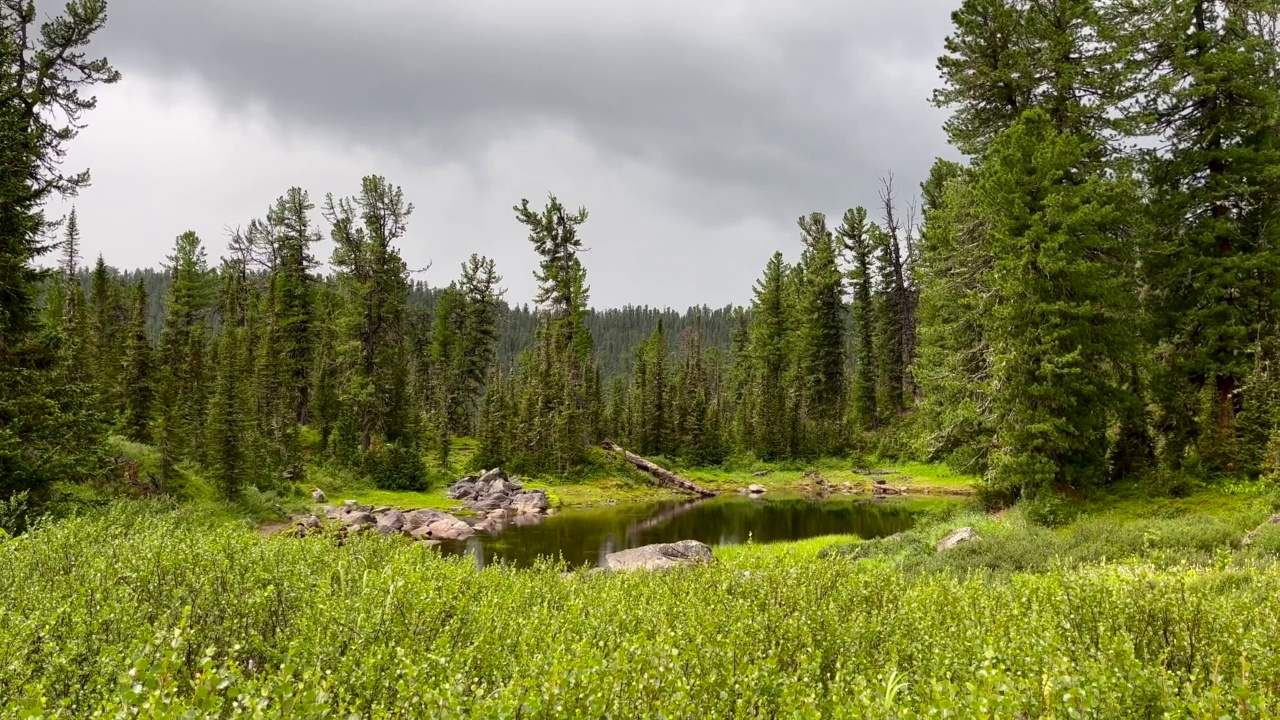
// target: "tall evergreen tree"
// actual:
[[1207, 84], [373, 282], [293, 297], [771, 312], [557, 374], [821, 321], [182, 391], [1059, 327], [228, 423], [137, 388], [855, 236]]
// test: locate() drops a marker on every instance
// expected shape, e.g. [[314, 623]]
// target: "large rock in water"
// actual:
[[450, 528], [658, 557], [957, 537], [533, 502], [422, 518]]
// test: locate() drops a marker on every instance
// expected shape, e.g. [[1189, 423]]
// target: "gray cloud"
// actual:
[[762, 106], [696, 132]]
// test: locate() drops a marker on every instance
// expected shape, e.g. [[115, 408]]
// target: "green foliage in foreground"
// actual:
[[146, 614]]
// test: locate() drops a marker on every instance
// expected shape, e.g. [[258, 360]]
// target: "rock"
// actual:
[[957, 537], [307, 521], [531, 503], [658, 557], [462, 490], [526, 519], [431, 543], [490, 525], [318, 495], [348, 504], [450, 528], [492, 503], [494, 474], [499, 514], [332, 512], [422, 532], [357, 517], [757, 489], [1254, 533], [381, 510], [421, 518], [392, 520]]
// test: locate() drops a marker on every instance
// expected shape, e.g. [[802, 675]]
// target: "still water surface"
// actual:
[[586, 536]]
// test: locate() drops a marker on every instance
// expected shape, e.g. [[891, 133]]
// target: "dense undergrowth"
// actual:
[[141, 611]]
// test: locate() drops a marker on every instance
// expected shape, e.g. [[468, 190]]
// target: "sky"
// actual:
[[695, 133]]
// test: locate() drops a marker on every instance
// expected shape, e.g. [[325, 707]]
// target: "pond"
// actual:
[[586, 536]]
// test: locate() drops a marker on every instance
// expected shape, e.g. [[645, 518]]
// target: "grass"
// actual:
[[141, 611]]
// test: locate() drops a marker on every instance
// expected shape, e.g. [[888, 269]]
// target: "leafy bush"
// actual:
[[162, 613], [16, 514], [395, 467]]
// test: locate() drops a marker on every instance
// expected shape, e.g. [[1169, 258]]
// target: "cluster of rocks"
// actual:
[[493, 492], [753, 490], [431, 526]]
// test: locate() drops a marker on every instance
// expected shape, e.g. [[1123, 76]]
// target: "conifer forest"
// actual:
[[1052, 362]]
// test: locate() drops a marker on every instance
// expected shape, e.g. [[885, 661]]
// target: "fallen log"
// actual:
[[864, 471], [887, 490], [664, 476]]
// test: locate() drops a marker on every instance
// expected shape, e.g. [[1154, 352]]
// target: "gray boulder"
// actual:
[[757, 489], [659, 557], [393, 520], [490, 503], [318, 495], [533, 502], [357, 517], [450, 528], [462, 490], [307, 521], [958, 537], [494, 474], [348, 504], [421, 518]]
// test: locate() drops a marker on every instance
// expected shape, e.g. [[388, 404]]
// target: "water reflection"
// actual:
[[585, 537]]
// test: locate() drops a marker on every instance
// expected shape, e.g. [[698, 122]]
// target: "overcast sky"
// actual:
[[695, 132]]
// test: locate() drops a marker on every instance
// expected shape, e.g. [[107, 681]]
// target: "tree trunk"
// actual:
[[664, 476]]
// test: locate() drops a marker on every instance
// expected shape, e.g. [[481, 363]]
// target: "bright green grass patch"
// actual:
[[145, 612]]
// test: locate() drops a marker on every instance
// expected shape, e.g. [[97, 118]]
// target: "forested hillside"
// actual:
[[1089, 295], [616, 332]]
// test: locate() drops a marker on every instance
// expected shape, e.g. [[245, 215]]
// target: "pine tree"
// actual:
[[181, 392], [855, 236], [821, 319], [558, 401], [481, 298], [1209, 88], [228, 423], [1005, 57], [136, 380], [1059, 326], [954, 364], [107, 316], [495, 424], [292, 295], [373, 282], [771, 313]]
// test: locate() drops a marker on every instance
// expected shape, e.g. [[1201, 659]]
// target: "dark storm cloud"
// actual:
[[749, 107]]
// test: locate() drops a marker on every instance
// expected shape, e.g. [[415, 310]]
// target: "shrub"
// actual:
[[144, 611], [395, 467]]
